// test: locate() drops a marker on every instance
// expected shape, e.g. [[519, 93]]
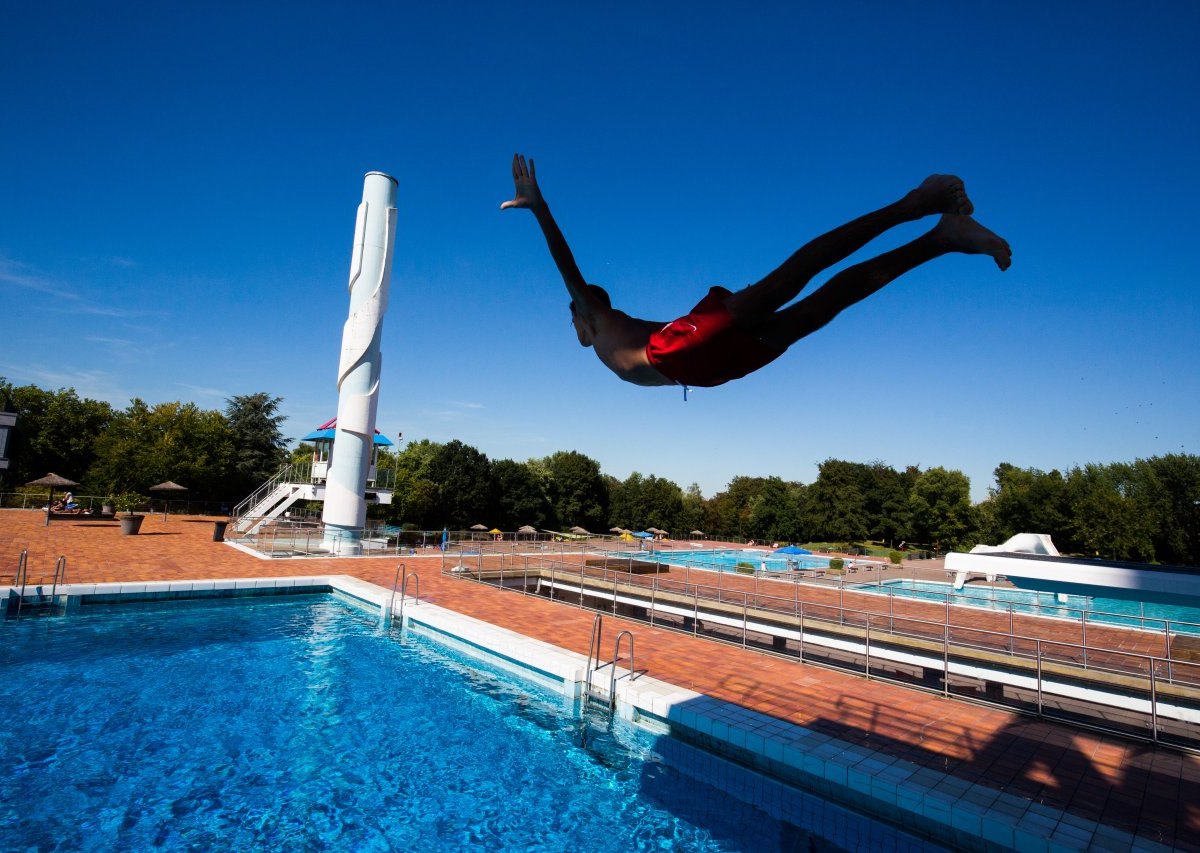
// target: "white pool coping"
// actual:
[[949, 810]]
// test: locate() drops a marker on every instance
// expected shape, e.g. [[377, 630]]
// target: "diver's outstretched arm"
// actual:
[[529, 196]]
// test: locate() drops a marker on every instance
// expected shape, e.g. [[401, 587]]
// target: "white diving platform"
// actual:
[[1030, 561]]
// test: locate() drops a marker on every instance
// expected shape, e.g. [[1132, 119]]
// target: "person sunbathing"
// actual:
[[728, 334]]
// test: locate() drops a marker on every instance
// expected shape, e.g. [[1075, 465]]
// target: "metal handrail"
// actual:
[[404, 594], [60, 576], [612, 681], [392, 601], [258, 494], [21, 576], [593, 653]]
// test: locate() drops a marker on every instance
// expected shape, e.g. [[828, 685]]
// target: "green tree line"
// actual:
[[1145, 510], [218, 455]]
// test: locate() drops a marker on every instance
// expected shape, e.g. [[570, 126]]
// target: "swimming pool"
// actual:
[[727, 560], [1111, 611], [297, 723]]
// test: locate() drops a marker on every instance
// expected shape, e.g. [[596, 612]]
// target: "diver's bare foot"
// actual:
[[941, 194], [964, 234]]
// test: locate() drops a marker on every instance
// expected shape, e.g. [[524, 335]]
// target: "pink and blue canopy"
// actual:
[[327, 430]]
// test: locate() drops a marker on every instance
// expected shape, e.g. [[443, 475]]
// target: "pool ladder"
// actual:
[[593, 662], [403, 587], [21, 584]]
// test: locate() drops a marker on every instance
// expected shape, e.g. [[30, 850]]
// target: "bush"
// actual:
[[836, 564], [130, 501], [896, 557], [744, 568]]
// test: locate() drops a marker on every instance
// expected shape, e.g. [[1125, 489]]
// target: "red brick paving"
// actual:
[[1134, 786]]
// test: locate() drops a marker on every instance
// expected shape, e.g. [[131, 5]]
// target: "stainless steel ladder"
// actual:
[[593, 662], [21, 580], [403, 585]]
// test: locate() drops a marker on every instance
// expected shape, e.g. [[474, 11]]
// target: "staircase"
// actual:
[[295, 482], [273, 498]]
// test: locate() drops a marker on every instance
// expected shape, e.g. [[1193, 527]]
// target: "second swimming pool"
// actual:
[[1112, 611]]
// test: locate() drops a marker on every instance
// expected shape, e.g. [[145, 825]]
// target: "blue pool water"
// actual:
[[1112, 611], [726, 560], [299, 724]]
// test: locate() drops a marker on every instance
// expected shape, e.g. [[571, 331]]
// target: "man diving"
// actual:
[[731, 334]]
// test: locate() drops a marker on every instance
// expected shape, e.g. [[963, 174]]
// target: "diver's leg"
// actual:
[[854, 284], [936, 194]]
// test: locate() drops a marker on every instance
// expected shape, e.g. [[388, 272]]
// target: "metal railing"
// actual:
[[300, 537], [286, 474], [21, 581], [403, 578], [1106, 688], [94, 503]]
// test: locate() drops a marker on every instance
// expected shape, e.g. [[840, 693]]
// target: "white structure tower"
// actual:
[[345, 511]]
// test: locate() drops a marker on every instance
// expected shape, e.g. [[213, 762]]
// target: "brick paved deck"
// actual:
[[1131, 786]]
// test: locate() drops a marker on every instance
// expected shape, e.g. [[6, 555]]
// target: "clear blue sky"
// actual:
[[178, 185]]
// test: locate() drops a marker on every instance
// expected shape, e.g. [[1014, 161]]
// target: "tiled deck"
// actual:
[[1151, 792]]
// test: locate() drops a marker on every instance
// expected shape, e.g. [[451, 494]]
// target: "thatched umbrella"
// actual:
[[167, 488], [579, 531], [616, 530], [477, 527], [697, 533], [527, 530], [54, 482]]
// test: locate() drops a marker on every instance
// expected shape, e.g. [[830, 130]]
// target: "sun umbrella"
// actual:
[[579, 531], [696, 533], [54, 482], [792, 549], [167, 488]]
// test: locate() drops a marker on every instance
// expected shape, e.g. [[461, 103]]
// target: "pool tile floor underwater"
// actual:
[[1013, 780]]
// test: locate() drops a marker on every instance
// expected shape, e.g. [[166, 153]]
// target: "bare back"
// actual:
[[620, 343]]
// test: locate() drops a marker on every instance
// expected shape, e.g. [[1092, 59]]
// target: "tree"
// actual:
[[641, 502], [662, 505], [520, 496], [691, 516], [1173, 487], [728, 514], [1111, 512], [774, 515], [941, 509], [260, 448], [171, 441], [56, 431], [577, 491], [1026, 500], [836, 507], [886, 497], [463, 478]]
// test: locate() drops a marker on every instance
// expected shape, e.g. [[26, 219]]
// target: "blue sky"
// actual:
[[178, 186]]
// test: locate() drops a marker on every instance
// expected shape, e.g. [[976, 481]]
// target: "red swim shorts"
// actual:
[[707, 347]]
